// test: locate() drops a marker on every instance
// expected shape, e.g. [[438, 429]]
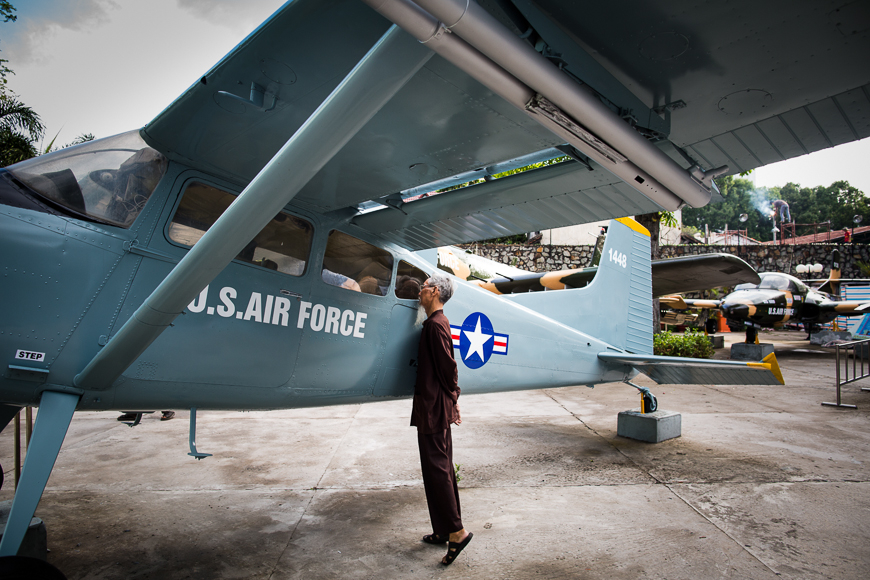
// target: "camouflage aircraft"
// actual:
[[269, 223], [780, 298]]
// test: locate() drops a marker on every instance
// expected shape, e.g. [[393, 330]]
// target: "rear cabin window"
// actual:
[[283, 245], [409, 280], [356, 265]]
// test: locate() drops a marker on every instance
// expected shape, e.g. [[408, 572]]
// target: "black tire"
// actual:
[[751, 335], [24, 568], [650, 403], [710, 326]]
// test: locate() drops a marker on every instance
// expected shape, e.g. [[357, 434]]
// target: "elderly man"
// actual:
[[435, 408]]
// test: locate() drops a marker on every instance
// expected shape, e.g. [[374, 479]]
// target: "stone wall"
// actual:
[[762, 257]]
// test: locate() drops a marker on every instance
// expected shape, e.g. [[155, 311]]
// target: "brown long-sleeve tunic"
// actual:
[[436, 390]]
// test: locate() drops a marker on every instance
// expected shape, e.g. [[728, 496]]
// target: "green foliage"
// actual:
[[6, 10], [83, 138], [456, 468], [517, 239], [667, 218], [692, 344], [15, 147], [837, 203]]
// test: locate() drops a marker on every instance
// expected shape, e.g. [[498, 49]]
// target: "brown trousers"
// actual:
[[439, 480]]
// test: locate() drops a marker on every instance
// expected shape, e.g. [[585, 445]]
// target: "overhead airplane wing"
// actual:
[[670, 276], [649, 99]]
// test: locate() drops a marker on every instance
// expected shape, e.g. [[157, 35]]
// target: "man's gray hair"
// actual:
[[444, 285]]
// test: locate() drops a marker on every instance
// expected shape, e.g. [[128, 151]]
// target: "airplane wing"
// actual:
[[694, 273], [674, 75], [308, 112], [695, 303], [674, 370], [670, 276], [848, 307]]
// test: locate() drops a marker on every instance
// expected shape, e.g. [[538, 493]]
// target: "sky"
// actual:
[[109, 66]]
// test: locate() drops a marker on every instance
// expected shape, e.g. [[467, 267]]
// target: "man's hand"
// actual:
[[458, 420]]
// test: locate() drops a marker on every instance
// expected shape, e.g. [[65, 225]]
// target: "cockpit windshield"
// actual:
[[109, 180], [780, 282]]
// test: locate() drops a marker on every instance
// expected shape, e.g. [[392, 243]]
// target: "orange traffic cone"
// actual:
[[723, 325]]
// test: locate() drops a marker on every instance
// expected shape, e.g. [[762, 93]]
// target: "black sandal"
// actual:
[[453, 549], [435, 539]]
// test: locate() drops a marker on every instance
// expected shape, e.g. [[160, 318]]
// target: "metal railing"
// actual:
[[856, 355]]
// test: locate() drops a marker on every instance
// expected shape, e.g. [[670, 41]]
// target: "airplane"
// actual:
[[228, 254], [669, 275], [781, 298]]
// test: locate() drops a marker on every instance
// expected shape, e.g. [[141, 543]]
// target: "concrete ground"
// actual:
[[764, 483]]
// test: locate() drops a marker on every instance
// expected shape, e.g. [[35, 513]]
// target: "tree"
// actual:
[[6, 10], [20, 129], [15, 147]]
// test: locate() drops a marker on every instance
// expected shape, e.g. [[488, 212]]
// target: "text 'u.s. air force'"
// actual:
[[276, 310]]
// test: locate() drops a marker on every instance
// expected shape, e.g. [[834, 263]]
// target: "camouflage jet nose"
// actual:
[[737, 310]]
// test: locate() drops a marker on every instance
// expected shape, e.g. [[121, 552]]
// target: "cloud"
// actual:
[[231, 13], [40, 20]]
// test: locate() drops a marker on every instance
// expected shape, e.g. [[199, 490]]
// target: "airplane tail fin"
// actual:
[[832, 284], [616, 306]]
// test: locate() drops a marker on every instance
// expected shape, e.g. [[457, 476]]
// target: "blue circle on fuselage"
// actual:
[[476, 337]]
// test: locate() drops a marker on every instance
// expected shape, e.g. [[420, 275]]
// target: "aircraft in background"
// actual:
[[255, 245], [779, 299], [669, 276]]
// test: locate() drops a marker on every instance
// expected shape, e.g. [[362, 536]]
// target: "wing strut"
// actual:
[[52, 421], [367, 88]]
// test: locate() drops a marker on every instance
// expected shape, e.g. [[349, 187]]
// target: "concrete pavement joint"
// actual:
[[722, 531], [666, 485], [316, 488]]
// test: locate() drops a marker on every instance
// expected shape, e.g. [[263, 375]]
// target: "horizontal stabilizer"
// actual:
[[674, 370]]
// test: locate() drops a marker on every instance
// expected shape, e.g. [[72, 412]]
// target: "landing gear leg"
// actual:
[[52, 421], [648, 401]]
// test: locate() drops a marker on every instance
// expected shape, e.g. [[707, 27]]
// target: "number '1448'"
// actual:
[[618, 257]]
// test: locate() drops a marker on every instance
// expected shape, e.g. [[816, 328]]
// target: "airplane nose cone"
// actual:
[[736, 311]]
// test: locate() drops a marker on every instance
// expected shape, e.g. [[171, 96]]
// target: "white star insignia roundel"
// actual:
[[477, 341]]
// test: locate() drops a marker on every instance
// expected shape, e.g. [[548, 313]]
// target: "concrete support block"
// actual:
[[650, 427], [751, 352], [717, 340], [35, 542]]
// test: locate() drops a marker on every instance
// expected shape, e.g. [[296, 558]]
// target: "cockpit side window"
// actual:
[[356, 265], [409, 280], [108, 180], [283, 245]]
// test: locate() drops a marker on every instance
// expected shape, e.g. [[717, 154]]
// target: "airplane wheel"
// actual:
[[23, 568], [649, 402], [751, 334], [710, 326]]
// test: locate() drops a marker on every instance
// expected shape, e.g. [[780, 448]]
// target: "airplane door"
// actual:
[[240, 331], [345, 323], [399, 372]]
